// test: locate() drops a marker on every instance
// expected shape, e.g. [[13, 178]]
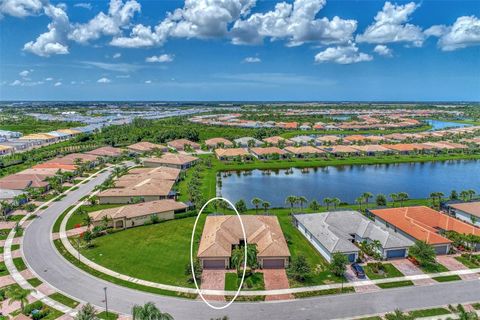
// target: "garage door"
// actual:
[[214, 264], [441, 249], [351, 257], [398, 253], [273, 263]]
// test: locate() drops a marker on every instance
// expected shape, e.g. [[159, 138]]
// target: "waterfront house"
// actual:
[[372, 149], [342, 231], [222, 233], [137, 214], [268, 153], [231, 153], [466, 211], [340, 150], [305, 151], [139, 191], [423, 223]]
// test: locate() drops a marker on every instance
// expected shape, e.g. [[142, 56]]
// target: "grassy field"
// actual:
[[251, 282], [396, 284], [158, 253], [27, 125], [389, 272]]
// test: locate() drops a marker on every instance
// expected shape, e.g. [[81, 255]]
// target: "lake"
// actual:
[[440, 125], [349, 182]]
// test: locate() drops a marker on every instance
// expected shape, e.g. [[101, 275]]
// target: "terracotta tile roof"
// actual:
[[142, 188], [106, 152], [355, 138], [231, 152], [218, 141], [37, 136], [404, 147], [340, 149], [267, 151], [472, 208], [22, 181], [172, 158], [304, 150], [276, 140], [145, 146], [138, 210], [180, 144], [168, 173], [57, 166], [371, 148], [328, 138], [424, 223], [129, 180], [221, 232], [68, 131]]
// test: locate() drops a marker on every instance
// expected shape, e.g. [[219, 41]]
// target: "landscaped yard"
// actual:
[[469, 263], [396, 284], [158, 253], [323, 292], [77, 219], [434, 268], [429, 312], [252, 281], [64, 300], [386, 271]]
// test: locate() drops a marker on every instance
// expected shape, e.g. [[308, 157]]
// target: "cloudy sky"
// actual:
[[239, 50]]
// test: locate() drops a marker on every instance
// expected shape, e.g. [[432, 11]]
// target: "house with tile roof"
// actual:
[[466, 211]]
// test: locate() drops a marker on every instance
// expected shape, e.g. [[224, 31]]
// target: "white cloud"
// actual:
[[49, 79], [24, 73], [57, 84], [144, 36], [118, 16], [252, 60], [383, 50], [123, 76], [118, 67], [84, 5], [465, 32], [148, 81], [52, 41], [20, 8], [294, 22], [117, 55], [163, 58], [391, 26], [104, 80], [16, 83], [342, 55]]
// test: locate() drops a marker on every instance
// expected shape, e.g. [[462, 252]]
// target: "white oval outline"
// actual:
[[244, 260]]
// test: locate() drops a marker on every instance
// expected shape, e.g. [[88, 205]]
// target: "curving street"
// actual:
[[44, 260]]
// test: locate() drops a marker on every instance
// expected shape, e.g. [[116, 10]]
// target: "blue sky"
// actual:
[[240, 50]]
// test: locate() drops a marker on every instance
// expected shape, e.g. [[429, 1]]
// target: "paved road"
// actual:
[[42, 257]]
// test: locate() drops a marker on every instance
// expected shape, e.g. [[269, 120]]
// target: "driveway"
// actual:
[[213, 280], [453, 264], [276, 279], [409, 269]]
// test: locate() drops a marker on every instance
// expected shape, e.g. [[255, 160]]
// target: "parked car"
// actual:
[[359, 272]]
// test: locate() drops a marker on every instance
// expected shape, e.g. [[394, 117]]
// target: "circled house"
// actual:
[[221, 234]]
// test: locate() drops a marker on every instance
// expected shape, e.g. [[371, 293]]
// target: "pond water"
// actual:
[[349, 182], [440, 125]]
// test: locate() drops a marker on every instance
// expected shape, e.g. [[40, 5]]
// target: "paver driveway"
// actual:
[[276, 279], [213, 280], [409, 269], [453, 264]]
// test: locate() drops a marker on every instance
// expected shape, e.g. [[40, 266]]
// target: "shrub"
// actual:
[[37, 305]]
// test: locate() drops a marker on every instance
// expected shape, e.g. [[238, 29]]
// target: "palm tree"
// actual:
[[402, 196], [471, 193], [398, 315], [105, 220], [291, 200], [394, 198], [88, 221], [238, 254], [367, 196], [266, 205], [149, 312], [336, 202], [18, 294], [302, 200], [462, 313], [5, 208], [256, 202], [327, 202], [87, 312], [359, 201], [464, 195]]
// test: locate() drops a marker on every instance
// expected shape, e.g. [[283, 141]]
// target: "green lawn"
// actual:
[[325, 292], [371, 318], [15, 247], [64, 300], [251, 282], [476, 306], [447, 278], [16, 217], [434, 268], [156, 253], [4, 233], [19, 264], [3, 269], [468, 263], [53, 314], [34, 282], [109, 316], [389, 272], [429, 312], [396, 284]]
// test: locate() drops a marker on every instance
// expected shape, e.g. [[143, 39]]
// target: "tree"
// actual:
[[238, 256], [105, 220], [463, 195], [197, 270], [453, 195], [423, 252], [266, 205], [327, 202], [381, 200], [291, 200], [336, 202], [241, 206], [402, 196], [338, 265], [359, 201], [394, 198], [87, 312], [302, 200], [149, 312], [299, 268], [256, 202], [18, 294], [367, 196], [314, 205], [88, 221], [462, 313]]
